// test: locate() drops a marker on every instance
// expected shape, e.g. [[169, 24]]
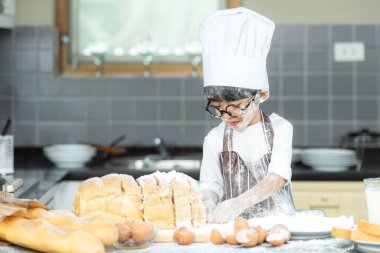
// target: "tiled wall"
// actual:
[[322, 98]]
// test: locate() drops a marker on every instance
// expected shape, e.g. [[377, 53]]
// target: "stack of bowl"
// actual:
[[69, 156], [329, 159]]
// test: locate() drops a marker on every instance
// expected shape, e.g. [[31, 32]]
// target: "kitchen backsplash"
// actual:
[[323, 99]]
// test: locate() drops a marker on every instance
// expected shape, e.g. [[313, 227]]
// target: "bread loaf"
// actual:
[[157, 201], [99, 225], [116, 195], [41, 235], [167, 200], [369, 228], [343, 233]]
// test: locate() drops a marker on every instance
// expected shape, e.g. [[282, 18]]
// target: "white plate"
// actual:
[[368, 247], [310, 235]]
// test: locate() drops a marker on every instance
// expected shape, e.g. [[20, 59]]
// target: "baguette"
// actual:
[[369, 228], [342, 233], [41, 235], [99, 225], [358, 235]]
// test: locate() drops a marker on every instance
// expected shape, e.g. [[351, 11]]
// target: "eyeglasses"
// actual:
[[234, 111]]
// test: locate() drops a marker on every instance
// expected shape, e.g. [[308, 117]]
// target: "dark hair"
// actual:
[[227, 93]]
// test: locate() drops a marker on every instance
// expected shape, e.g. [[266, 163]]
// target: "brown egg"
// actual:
[[277, 238], [246, 237], [262, 233], [216, 237], [240, 223], [124, 232], [230, 239], [142, 232], [281, 228], [183, 236]]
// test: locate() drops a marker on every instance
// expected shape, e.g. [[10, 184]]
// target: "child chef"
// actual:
[[246, 158]]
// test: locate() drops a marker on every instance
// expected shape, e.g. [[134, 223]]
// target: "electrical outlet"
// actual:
[[349, 51]]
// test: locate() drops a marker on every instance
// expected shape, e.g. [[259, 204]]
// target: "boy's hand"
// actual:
[[228, 210]]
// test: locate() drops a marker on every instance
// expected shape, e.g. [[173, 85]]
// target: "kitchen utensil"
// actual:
[[105, 153], [6, 155], [6, 127]]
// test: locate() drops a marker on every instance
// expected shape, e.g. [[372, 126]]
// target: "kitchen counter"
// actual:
[[317, 246]]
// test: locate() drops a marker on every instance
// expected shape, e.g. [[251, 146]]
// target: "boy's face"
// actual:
[[243, 112]]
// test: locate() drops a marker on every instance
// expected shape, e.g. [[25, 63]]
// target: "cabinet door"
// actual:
[[301, 200], [354, 204]]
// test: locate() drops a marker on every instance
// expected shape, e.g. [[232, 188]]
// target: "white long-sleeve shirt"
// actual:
[[251, 146]]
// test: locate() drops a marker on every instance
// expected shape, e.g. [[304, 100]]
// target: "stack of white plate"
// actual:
[[329, 159], [69, 156]]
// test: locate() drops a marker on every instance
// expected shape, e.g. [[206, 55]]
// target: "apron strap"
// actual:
[[227, 138], [268, 131]]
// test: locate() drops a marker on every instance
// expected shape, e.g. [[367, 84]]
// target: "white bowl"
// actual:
[[69, 155]]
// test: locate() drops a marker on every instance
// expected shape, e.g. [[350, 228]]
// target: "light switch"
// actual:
[[349, 51]]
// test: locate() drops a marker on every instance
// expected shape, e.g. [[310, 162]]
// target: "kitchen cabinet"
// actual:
[[7, 13], [334, 197]]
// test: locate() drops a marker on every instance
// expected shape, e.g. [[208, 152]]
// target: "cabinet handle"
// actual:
[[324, 199]]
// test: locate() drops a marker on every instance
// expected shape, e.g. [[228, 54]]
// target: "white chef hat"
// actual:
[[235, 45]]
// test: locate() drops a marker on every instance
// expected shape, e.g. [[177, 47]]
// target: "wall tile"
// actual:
[[170, 87], [339, 131], [50, 134], [98, 134], [271, 106], [293, 61], [5, 85], [98, 110], [26, 86], [147, 110], [293, 35], [366, 34], [367, 109], [170, 110], [49, 86], [46, 37], [124, 87], [49, 110], [273, 61], [293, 110], [317, 36], [342, 109], [317, 110], [298, 135], [122, 110], [145, 134], [367, 85], [194, 110], [74, 133], [5, 108], [170, 134], [194, 87], [25, 135], [147, 87], [318, 135], [26, 37], [371, 62], [274, 85], [6, 39], [25, 110], [342, 85], [317, 85], [6, 60], [26, 61], [342, 33], [194, 135], [72, 110], [318, 60], [73, 87], [128, 130], [293, 85], [45, 61], [95, 86]]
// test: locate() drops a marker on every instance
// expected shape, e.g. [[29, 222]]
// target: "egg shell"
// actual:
[[216, 237], [281, 228], [262, 234], [183, 236], [230, 239], [142, 232], [240, 223], [124, 232], [246, 237]]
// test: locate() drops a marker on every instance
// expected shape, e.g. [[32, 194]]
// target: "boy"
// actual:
[[246, 159]]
